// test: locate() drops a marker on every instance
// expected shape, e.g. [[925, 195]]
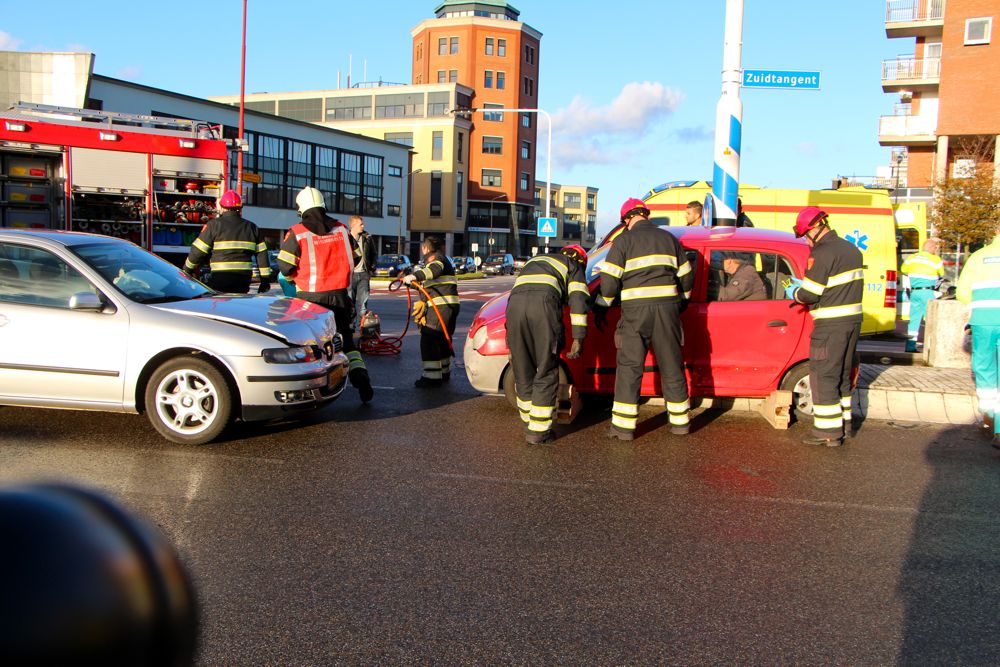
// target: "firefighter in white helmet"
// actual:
[[318, 254]]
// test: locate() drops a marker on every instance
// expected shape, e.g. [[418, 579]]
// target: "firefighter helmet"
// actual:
[[309, 198], [576, 253], [230, 199], [809, 217], [633, 204]]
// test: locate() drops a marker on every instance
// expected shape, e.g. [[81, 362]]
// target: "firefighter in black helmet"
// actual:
[[535, 332], [646, 267], [228, 243]]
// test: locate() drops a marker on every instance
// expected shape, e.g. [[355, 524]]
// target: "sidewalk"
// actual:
[[916, 394]]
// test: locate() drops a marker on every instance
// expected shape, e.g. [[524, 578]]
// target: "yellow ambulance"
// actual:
[[862, 216]]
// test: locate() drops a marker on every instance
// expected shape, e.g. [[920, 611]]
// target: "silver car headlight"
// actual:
[[479, 338], [289, 355]]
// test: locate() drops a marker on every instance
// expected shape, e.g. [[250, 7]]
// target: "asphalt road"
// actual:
[[421, 529]]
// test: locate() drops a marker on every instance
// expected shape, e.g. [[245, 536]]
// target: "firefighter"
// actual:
[[535, 332], [228, 243], [438, 278], [924, 269], [318, 255], [647, 268], [833, 285], [979, 286]]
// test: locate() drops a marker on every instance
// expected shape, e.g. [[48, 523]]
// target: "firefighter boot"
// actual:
[[620, 434], [535, 438], [822, 442], [361, 381], [427, 383]]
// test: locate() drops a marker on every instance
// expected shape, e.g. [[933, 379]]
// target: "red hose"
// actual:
[[388, 345]]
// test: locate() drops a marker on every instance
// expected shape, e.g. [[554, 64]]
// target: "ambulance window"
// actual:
[[907, 240], [660, 220]]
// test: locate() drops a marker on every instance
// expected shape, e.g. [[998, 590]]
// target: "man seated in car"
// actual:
[[743, 283]]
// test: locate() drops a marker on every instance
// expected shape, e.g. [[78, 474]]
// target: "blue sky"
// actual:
[[632, 84]]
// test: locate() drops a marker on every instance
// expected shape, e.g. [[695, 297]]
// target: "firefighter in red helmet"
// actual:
[[535, 332], [319, 256], [648, 270], [229, 243], [833, 285]]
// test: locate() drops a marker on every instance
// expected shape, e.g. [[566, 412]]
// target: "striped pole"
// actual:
[[729, 120]]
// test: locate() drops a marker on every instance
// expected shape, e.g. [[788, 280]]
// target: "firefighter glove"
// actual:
[[409, 278], [264, 288], [791, 285], [600, 317], [576, 349], [420, 313]]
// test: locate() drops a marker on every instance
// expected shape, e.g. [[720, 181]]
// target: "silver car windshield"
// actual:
[[140, 275]]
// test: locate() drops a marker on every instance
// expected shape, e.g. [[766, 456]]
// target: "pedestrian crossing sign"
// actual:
[[547, 227]]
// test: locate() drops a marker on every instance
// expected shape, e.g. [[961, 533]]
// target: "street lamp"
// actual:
[[548, 167], [399, 231]]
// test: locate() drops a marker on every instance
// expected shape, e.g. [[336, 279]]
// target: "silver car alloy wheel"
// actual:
[[187, 402], [802, 396]]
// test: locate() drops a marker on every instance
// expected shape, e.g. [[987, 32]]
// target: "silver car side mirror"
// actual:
[[86, 301]]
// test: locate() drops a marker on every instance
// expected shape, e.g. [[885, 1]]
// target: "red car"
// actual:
[[731, 348]]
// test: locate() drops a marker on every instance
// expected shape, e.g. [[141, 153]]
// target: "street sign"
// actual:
[[534, 250], [547, 227], [786, 79], [250, 177], [475, 247]]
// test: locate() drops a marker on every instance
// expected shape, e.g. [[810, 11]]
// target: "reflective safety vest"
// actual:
[[326, 261], [923, 268], [979, 285]]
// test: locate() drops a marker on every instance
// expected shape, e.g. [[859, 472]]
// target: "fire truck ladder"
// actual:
[[197, 129]]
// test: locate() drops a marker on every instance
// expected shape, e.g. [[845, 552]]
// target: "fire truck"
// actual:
[[148, 179]]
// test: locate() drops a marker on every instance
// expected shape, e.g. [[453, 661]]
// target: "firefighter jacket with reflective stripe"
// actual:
[[834, 282], [318, 253], [979, 285], [545, 273], [438, 278], [924, 269], [645, 265], [228, 243]]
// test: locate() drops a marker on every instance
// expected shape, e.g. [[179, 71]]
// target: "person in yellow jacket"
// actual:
[[924, 269], [979, 286]]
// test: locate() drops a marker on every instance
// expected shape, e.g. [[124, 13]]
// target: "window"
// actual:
[[435, 198], [489, 46], [571, 200], [493, 116], [34, 276], [373, 186], [454, 46], [393, 210], [591, 202], [761, 281], [459, 147], [405, 138], [529, 54], [437, 145], [326, 175], [525, 150], [501, 80], [525, 183], [501, 47], [309, 110], [526, 120], [442, 46], [488, 79], [399, 106], [529, 87], [977, 31], [349, 196], [348, 108], [437, 104], [459, 191], [271, 167], [453, 76], [300, 168], [493, 145], [907, 240], [441, 76], [492, 178], [393, 170]]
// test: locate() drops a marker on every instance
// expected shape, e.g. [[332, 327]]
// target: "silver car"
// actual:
[[91, 322]]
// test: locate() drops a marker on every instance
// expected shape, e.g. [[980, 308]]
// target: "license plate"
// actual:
[[336, 376]]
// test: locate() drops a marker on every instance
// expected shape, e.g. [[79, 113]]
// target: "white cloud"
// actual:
[[567, 154], [130, 72], [694, 135], [633, 112], [8, 43]]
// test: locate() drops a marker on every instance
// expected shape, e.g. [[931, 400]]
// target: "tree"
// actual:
[[966, 209]]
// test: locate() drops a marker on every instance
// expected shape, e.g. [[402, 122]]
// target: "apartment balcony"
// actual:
[[914, 18], [911, 74], [907, 131]]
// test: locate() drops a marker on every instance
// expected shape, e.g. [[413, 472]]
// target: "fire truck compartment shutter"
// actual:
[[115, 171], [168, 165]]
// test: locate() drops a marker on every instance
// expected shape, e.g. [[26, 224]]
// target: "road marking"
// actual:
[[506, 480]]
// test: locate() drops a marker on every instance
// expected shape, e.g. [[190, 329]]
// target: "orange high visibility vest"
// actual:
[[326, 262]]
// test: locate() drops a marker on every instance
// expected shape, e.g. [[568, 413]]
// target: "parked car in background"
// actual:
[[520, 261], [499, 265], [731, 348], [392, 266], [94, 322], [272, 256], [464, 265]]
